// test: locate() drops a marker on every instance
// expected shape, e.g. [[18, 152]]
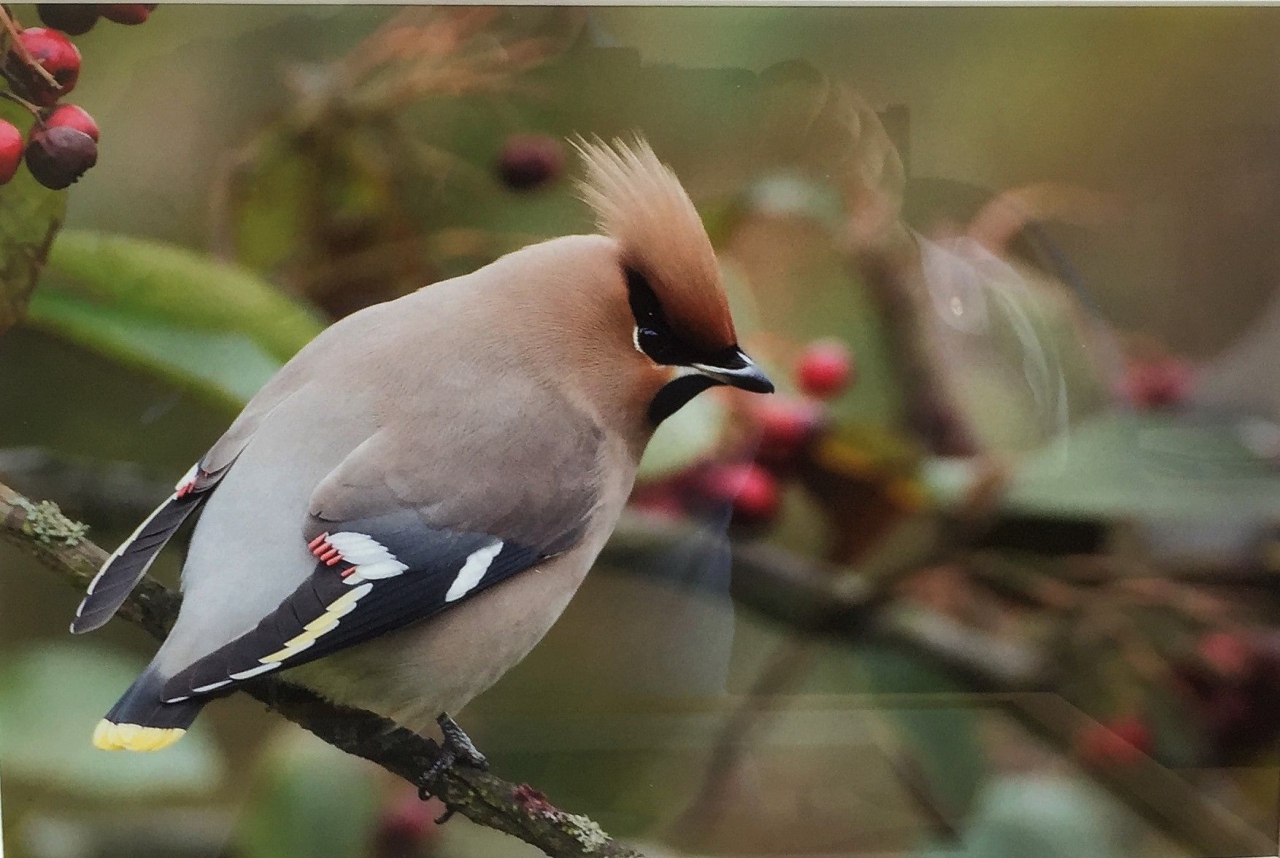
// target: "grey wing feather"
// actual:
[[128, 564]]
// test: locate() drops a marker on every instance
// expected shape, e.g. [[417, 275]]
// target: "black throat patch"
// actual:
[[675, 394]]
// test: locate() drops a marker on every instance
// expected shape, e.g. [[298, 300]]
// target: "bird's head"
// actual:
[[673, 299]]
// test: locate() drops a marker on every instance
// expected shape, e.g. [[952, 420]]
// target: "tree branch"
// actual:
[[519, 810], [817, 600]]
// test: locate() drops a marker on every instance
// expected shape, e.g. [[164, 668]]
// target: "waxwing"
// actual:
[[404, 510]]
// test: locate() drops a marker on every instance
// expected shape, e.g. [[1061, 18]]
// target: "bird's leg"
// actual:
[[456, 748], [461, 743]]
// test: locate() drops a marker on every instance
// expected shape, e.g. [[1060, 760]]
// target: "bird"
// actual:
[[403, 511]]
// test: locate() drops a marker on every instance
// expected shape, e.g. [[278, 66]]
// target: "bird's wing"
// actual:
[[129, 563], [384, 560]]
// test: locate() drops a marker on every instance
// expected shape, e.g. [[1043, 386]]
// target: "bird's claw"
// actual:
[[456, 748]]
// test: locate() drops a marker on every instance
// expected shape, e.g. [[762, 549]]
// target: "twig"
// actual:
[[15, 33], [519, 810]]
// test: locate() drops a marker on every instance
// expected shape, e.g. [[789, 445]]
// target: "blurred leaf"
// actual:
[[683, 438], [311, 801], [944, 739], [1126, 465], [52, 696], [1010, 346], [208, 327], [30, 216]]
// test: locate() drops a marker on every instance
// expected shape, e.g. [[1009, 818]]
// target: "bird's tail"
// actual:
[[141, 721]]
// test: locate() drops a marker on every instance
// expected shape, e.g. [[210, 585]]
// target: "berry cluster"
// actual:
[[777, 434], [41, 66]]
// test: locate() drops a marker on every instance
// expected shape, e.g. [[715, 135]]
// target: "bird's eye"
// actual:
[[655, 343], [653, 335]]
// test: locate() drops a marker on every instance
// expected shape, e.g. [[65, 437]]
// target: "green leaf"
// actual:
[[1148, 466], [683, 438], [1122, 465], [312, 800], [52, 696], [207, 327], [30, 216]]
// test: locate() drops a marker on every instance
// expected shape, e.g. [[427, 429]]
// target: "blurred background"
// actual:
[[992, 575]]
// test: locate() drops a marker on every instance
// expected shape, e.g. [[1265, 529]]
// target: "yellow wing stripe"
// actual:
[[326, 622]]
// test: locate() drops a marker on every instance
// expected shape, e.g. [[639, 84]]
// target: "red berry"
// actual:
[[663, 499], [407, 825], [57, 157], [71, 116], [751, 489], [74, 19], [825, 369], [56, 54], [126, 13], [785, 428], [1156, 384], [1119, 742], [10, 151], [1230, 655], [530, 160]]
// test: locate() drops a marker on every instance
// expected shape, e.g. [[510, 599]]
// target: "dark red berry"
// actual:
[[1157, 383], [10, 151], [530, 160], [786, 427], [56, 54], [751, 489], [57, 157], [72, 116], [126, 13], [74, 19], [825, 369]]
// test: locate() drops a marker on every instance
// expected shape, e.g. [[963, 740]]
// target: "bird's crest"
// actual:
[[639, 202]]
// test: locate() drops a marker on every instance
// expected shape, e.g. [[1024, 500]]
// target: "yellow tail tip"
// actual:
[[134, 737]]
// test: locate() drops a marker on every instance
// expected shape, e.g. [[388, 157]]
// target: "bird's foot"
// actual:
[[456, 748]]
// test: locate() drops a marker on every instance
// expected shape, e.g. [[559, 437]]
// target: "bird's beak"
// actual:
[[738, 370]]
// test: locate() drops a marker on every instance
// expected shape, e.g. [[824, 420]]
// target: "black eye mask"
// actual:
[[653, 334]]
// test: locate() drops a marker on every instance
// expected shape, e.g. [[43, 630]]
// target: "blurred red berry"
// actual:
[[1122, 741], [825, 369], [664, 498], [1157, 383], [57, 157], [407, 825], [56, 54], [72, 116], [74, 19], [10, 151], [530, 160], [785, 428], [1229, 654], [752, 491], [126, 13]]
